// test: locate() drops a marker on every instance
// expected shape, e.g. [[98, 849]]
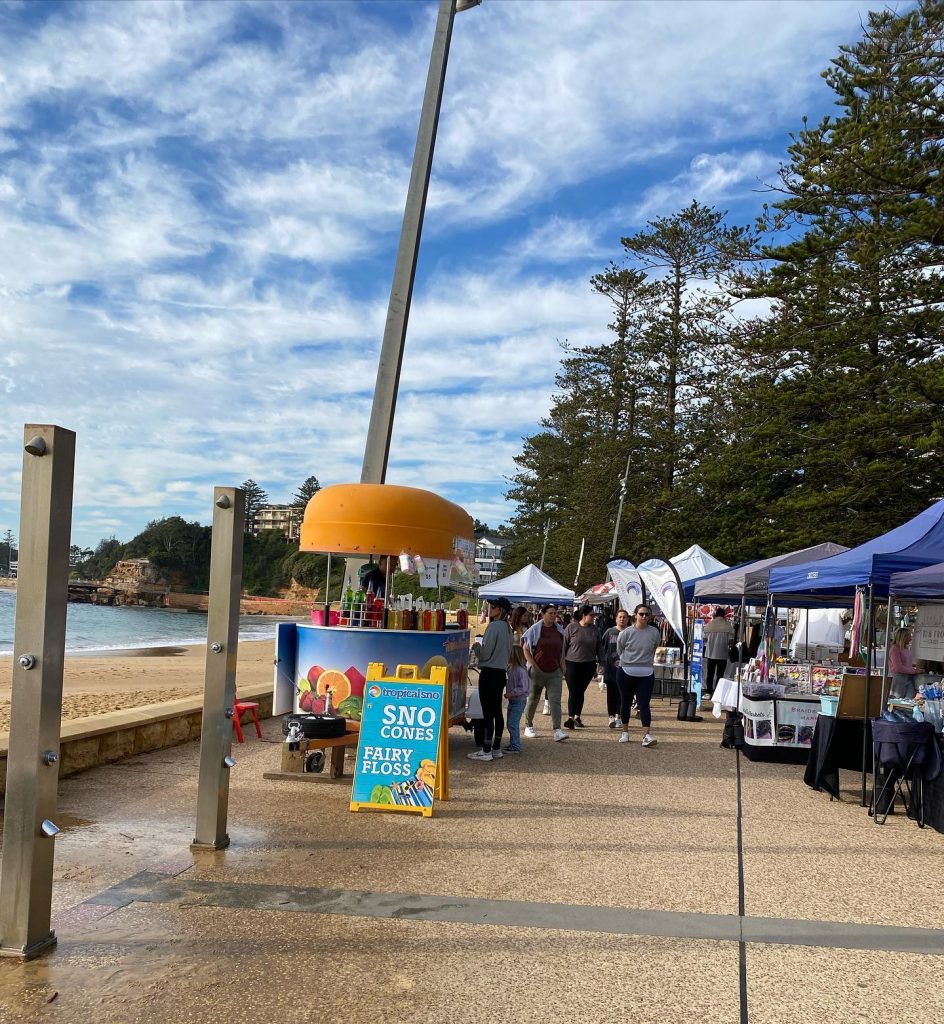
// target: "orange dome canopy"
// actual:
[[383, 519]]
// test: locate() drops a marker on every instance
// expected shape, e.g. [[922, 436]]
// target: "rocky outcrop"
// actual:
[[133, 581]]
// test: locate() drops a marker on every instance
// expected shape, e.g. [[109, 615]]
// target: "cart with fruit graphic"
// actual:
[[322, 668]]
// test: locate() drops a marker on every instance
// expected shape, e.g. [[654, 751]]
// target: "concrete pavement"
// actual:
[[584, 880]]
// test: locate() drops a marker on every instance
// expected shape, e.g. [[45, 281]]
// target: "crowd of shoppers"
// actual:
[[526, 661]]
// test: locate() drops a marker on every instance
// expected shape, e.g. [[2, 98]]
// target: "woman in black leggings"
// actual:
[[582, 655]]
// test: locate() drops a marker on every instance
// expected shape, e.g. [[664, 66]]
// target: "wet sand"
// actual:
[[101, 681]]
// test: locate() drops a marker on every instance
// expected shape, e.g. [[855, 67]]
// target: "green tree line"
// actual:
[[818, 417], [180, 550]]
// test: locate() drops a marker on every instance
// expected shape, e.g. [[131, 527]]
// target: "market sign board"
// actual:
[[928, 642], [402, 754]]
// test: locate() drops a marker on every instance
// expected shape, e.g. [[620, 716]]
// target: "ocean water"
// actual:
[[92, 627]]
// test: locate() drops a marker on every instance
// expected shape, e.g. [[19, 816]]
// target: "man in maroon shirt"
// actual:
[[543, 646]]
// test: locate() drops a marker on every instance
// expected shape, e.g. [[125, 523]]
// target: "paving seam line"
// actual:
[[153, 887]]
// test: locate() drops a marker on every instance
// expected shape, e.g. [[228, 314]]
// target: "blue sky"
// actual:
[[200, 206]]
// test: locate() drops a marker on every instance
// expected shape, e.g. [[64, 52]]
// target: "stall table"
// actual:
[[779, 728], [837, 743]]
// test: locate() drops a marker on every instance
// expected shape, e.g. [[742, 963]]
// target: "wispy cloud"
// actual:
[[712, 178], [200, 204]]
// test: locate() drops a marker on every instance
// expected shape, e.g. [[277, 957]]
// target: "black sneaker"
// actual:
[[569, 724], [579, 724]]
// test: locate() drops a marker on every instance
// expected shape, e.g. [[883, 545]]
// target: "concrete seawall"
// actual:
[[101, 739]]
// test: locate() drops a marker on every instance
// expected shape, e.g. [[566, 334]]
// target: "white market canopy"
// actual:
[[694, 562], [528, 584]]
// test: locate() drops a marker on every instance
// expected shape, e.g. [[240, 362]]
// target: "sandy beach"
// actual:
[[99, 682]]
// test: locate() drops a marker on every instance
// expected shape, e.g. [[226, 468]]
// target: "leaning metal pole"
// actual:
[[32, 784], [377, 449], [219, 692]]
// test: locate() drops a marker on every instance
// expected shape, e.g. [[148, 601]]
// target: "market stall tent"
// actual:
[[747, 583], [818, 627], [602, 593], [691, 564], [927, 582], [913, 545], [528, 584]]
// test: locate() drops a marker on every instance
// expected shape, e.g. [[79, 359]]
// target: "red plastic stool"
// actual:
[[238, 710]]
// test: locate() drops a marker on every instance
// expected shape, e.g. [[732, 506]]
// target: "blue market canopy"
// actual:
[[528, 584], [926, 582], [913, 545], [747, 583]]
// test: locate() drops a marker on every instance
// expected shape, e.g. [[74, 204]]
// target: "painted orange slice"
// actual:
[[337, 682]]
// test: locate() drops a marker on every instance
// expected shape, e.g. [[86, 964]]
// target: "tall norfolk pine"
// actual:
[[650, 393], [852, 353], [819, 421]]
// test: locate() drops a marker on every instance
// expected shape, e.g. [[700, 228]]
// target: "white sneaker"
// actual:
[[649, 741], [624, 738], [529, 732], [559, 735], [547, 708], [497, 754], [479, 755]]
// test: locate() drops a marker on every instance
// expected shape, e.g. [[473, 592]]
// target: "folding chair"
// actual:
[[904, 755]]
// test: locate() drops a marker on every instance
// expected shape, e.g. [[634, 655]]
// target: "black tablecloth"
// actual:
[[837, 743], [934, 799]]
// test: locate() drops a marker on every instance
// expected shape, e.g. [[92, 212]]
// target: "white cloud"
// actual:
[[712, 178], [198, 220]]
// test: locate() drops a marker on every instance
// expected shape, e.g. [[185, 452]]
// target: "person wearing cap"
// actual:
[[494, 652], [543, 646]]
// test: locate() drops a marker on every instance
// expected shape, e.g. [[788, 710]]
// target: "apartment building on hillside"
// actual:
[[278, 517]]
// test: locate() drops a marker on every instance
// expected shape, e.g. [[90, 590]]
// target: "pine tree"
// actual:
[[848, 411], [303, 495], [256, 498]]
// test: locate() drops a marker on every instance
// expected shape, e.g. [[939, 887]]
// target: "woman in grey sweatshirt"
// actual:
[[636, 647]]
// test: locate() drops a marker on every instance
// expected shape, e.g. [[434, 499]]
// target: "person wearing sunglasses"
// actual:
[[636, 646]]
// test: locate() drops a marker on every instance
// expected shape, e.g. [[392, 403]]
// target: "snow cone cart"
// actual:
[[323, 668]]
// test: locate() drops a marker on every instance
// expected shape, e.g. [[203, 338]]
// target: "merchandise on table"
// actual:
[[827, 679]]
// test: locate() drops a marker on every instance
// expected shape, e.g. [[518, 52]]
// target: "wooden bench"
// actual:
[[293, 761]]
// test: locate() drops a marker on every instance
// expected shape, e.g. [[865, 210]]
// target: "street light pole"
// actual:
[[619, 511], [377, 448]]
